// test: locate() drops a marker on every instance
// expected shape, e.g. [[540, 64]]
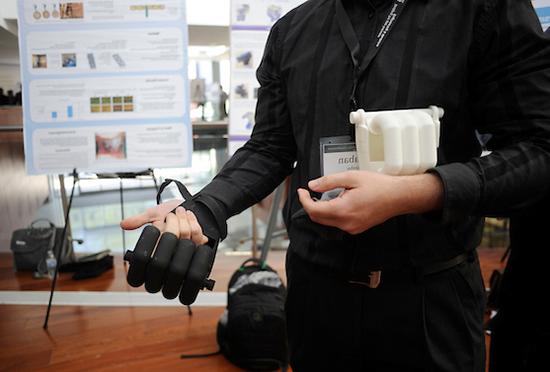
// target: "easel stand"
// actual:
[[271, 225], [60, 250], [272, 222], [128, 175]]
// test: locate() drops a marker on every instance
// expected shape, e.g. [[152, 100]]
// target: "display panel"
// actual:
[[542, 7], [251, 21], [105, 85]]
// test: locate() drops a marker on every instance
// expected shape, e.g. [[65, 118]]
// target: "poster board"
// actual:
[[250, 23], [105, 85], [542, 7]]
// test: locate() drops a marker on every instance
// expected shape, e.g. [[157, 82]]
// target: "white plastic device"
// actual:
[[397, 142]]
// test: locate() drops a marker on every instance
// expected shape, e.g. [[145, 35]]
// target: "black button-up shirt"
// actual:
[[486, 62]]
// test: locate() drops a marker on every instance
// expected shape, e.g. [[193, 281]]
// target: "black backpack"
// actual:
[[252, 330]]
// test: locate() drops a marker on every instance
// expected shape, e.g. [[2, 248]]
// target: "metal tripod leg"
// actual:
[[272, 222]]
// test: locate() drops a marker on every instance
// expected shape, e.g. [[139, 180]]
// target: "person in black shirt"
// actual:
[[520, 337], [487, 63]]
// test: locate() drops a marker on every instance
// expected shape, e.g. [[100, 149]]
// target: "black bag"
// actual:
[[30, 246], [252, 331]]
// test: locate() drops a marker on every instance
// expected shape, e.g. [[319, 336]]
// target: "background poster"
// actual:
[[542, 7], [105, 85], [251, 21]]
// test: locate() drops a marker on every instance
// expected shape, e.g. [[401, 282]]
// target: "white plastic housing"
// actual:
[[397, 142]]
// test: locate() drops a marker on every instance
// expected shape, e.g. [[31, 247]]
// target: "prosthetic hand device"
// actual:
[[172, 265], [397, 142]]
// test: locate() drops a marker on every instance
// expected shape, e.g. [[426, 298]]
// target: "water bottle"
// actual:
[[51, 263]]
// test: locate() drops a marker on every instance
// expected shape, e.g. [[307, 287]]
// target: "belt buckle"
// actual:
[[374, 280]]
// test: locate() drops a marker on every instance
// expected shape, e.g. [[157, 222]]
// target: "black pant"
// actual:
[[520, 333], [520, 341], [433, 324]]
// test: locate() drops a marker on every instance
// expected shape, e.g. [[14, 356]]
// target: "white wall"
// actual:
[[9, 61], [9, 77]]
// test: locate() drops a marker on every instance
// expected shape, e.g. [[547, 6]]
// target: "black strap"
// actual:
[[181, 187], [206, 355], [353, 45], [254, 260], [506, 253], [42, 232], [444, 265]]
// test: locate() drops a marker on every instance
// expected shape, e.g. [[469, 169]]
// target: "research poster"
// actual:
[[105, 85], [542, 7], [251, 21]]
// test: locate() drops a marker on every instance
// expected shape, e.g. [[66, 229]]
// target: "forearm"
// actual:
[[249, 176], [418, 193]]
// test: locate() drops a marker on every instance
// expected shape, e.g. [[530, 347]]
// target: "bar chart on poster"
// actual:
[[542, 7], [105, 85], [251, 21]]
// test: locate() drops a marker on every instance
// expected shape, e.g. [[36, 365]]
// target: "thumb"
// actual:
[[156, 213], [346, 180], [136, 221]]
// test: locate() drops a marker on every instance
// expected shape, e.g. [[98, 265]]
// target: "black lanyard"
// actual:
[[359, 67]]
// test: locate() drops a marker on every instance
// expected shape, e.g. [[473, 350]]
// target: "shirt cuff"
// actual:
[[462, 191]]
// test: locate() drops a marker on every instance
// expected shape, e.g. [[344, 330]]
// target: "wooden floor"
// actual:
[[115, 280], [96, 338], [117, 338]]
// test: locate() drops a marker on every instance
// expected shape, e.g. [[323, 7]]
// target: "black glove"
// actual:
[[177, 266]]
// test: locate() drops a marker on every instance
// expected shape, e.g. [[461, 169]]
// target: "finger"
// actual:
[[321, 211], [134, 222], [185, 229], [157, 266], [196, 230], [139, 258], [156, 213], [347, 180], [178, 268], [172, 224], [159, 225], [198, 271]]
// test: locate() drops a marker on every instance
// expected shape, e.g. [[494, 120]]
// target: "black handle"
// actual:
[[33, 223]]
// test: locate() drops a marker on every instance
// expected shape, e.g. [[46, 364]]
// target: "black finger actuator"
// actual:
[[139, 257], [178, 268], [158, 264], [196, 278]]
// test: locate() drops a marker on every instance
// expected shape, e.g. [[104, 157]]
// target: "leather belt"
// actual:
[[375, 277]]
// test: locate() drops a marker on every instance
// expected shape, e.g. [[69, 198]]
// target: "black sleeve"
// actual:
[[510, 100], [256, 169]]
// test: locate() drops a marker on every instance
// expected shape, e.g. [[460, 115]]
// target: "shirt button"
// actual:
[[371, 14]]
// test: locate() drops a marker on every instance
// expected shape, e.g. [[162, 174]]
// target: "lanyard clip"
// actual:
[[353, 103], [352, 98]]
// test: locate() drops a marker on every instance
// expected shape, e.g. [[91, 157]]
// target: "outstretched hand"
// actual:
[[370, 198], [183, 224]]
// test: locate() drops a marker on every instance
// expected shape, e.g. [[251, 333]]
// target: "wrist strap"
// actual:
[[181, 187]]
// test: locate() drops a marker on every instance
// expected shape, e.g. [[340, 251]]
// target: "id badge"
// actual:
[[338, 154]]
